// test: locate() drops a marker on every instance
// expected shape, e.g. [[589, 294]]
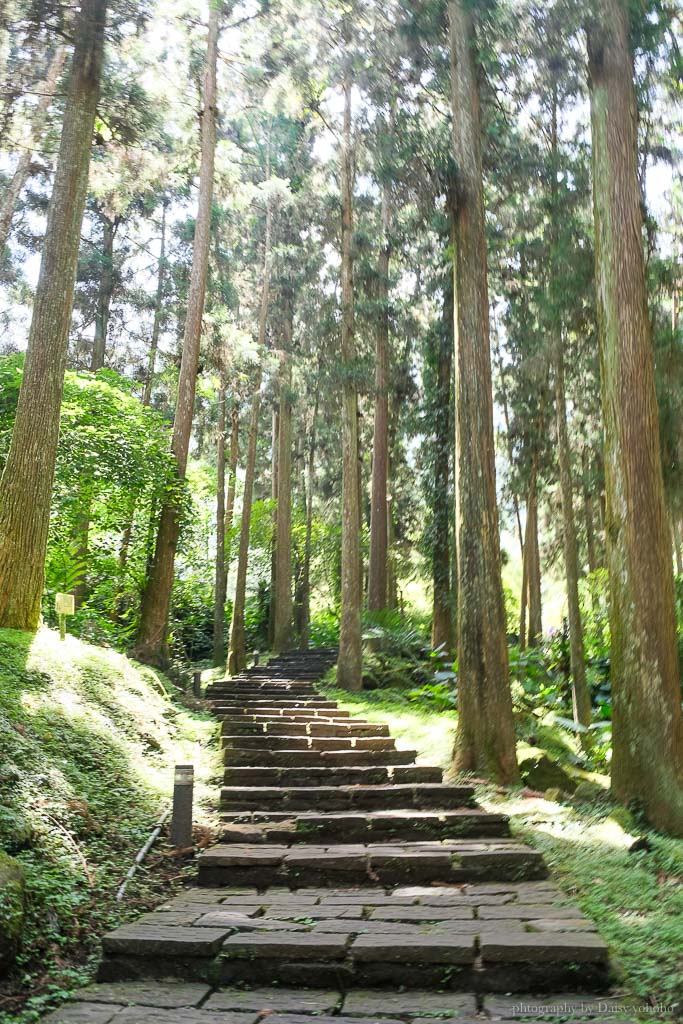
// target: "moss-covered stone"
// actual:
[[589, 792], [12, 909], [541, 773]]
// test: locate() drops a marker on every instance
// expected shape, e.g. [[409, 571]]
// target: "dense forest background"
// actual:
[[262, 372]]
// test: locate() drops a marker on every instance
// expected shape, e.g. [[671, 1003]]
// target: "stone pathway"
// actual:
[[353, 883]]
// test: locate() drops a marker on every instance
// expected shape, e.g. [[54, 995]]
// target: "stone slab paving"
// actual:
[[174, 1003], [357, 889]]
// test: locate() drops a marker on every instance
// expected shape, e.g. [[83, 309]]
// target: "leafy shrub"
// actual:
[[324, 629], [256, 619]]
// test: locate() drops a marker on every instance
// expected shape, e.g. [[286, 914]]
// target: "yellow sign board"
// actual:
[[65, 604]]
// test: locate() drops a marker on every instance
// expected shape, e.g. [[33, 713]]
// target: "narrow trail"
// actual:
[[351, 883]]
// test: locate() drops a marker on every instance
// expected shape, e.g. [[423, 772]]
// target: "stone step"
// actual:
[[340, 798], [259, 703], [284, 675], [305, 742], [305, 712], [399, 825], [447, 862], [324, 776], [285, 716], [261, 690], [263, 680], [239, 725], [503, 938], [316, 758]]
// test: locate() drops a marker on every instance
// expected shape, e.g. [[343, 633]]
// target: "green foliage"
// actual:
[[113, 467], [65, 568], [192, 617], [324, 628], [396, 650]]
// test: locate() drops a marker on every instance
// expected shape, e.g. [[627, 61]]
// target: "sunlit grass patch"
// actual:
[[414, 728]]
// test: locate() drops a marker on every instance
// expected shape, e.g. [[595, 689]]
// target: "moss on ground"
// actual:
[[635, 898], [88, 740]]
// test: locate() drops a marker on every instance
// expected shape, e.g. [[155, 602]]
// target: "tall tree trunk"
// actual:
[[151, 642], [105, 292], [220, 576], [350, 663], [158, 310], [647, 761], [274, 453], [38, 124], [581, 699], [26, 485], [591, 554], [377, 567], [524, 596], [232, 482], [282, 619], [237, 658], [508, 434], [534, 565], [304, 638], [443, 608], [486, 736]]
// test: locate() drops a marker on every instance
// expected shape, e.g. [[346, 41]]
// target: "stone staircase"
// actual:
[[352, 879]]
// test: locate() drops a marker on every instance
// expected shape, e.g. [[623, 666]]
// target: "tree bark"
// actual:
[[26, 485], [304, 638], [581, 699], [524, 596], [105, 292], [232, 482], [377, 567], [237, 658], [647, 761], [350, 662], [158, 310], [220, 576], [486, 736], [282, 619], [274, 453], [533, 563], [38, 124], [443, 608], [591, 554], [151, 643]]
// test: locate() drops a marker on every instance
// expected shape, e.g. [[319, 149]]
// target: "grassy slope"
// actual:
[[88, 741], [636, 898]]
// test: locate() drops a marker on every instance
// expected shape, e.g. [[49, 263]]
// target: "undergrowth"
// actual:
[[88, 741]]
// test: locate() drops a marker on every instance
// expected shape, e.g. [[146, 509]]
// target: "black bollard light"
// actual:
[[181, 821], [197, 684]]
